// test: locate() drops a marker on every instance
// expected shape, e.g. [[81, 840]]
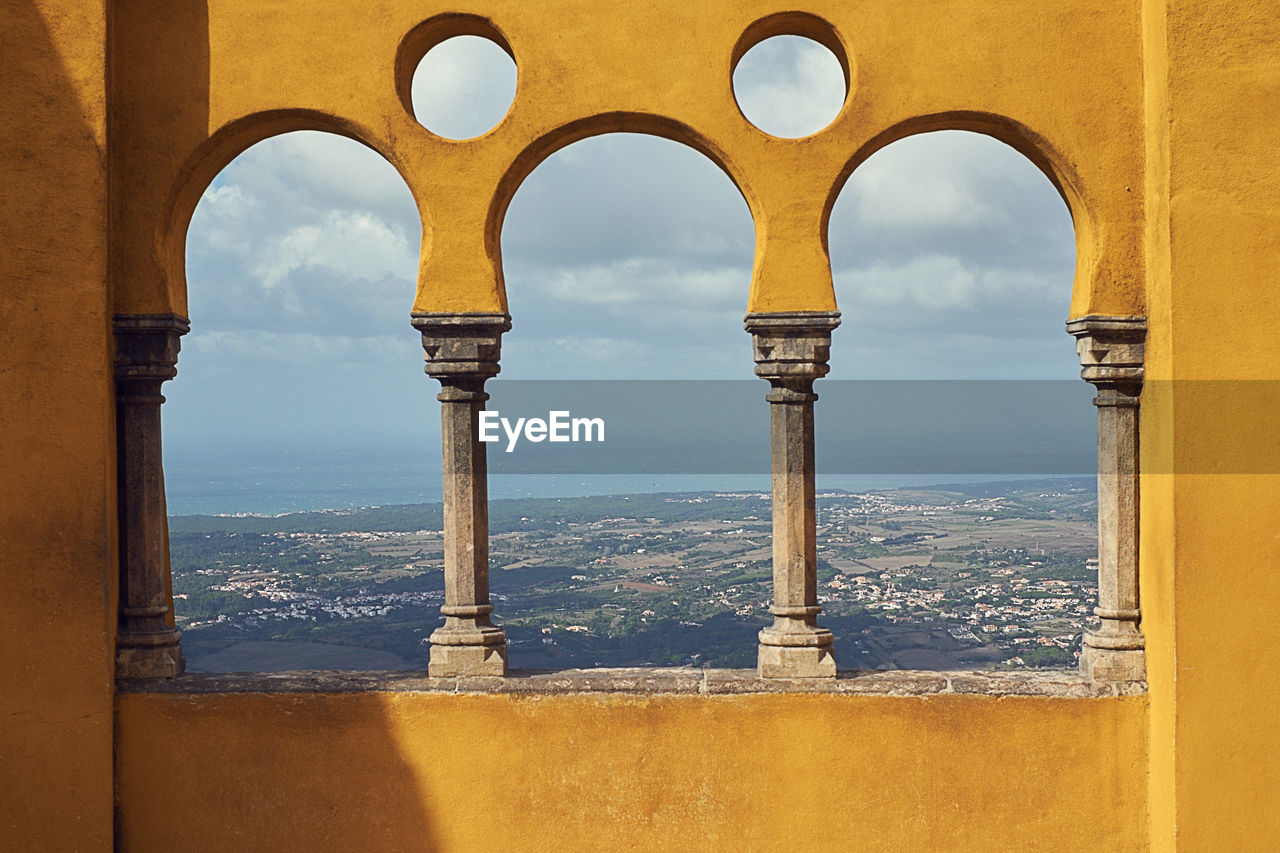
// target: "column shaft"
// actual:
[[791, 351], [462, 352], [147, 644], [1111, 352], [795, 514], [466, 503]]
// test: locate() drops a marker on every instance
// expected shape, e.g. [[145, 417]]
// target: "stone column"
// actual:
[[1111, 352], [146, 354], [791, 351], [462, 351]]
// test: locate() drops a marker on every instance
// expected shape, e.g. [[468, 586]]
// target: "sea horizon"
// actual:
[[273, 482]]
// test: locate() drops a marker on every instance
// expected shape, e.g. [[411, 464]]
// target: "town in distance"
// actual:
[[987, 576]]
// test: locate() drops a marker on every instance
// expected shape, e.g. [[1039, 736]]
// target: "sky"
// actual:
[[625, 257]]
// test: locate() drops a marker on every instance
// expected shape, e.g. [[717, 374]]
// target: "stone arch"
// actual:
[[1089, 237], [217, 152], [1111, 351], [537, 152], [652, 223]]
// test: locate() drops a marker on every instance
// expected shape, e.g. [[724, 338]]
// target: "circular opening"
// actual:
[[789, 86], [463, 87]]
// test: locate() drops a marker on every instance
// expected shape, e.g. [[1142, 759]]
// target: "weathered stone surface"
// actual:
[[636, 681], [791, 351], [462, 345], [1111, 353], [165, 661], [453, 661], [462, 351], [646, 681], [146, 355], [776, 661], [1112, 664]]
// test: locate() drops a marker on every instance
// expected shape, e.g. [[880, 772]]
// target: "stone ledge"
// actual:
[[655, 682]]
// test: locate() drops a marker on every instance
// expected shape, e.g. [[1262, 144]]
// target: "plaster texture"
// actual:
[[1155, 119]]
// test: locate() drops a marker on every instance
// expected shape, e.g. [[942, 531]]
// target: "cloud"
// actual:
[[337, 352], [356, 244], [624, 256], [936, 181], [953, 256], [952, 193], [943, 283], [304, 232], [638, 248], [621, 196], [649, 281], [789, 86], [298, 172], [929, 282], [463, 87]]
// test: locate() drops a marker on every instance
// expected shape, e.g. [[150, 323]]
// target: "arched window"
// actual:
[[627, 261], [953, 258], [298, 392]]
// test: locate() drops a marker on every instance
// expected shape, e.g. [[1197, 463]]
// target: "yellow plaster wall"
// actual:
[[415, 771], [56, 421], [198, 83], [1157, 119], [1224, 311]]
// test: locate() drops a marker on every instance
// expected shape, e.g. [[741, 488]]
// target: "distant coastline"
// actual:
[[362, 515]]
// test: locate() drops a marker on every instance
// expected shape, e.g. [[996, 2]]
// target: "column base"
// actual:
[[796, 662], [453, 661], [1101, 664], [150, 662]]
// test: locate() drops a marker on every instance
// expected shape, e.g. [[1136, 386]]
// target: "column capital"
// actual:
[[1111, 350], [146, 345], [792, 346], [461, 346]]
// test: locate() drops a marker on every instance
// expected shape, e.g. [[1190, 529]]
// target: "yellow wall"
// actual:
[[56, 421], [1062, 82], [1156, 118], [1223, 292], [424, 771]]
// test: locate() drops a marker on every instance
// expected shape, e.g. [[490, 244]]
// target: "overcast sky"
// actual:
[[625, 257]]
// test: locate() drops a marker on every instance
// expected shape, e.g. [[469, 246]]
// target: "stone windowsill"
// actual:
[[647, 681]]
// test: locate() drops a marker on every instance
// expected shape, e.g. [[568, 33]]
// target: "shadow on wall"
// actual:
[[55, 619], [351, 785], [350, 774]]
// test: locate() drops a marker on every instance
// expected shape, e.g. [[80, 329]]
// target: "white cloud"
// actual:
[[653, 282], [463, 87], [305, 231], [623, 196], [927, 194], [943, 282], [625, 257], [929, 282], [263, 347], [789, 86], [356, 244], [325, 166], [949, 180]]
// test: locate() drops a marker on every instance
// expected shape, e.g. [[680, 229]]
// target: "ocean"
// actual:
[[279, 480]]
